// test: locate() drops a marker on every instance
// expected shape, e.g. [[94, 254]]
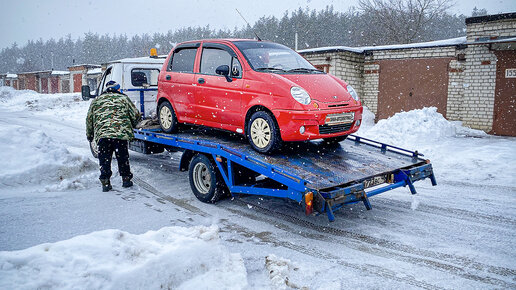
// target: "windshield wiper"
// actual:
[[270, 68], [302, 69]]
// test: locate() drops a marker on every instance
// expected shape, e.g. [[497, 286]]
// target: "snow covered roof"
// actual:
[[94, 71], [146, 59], [437, 43], [60, 72], [84, 65], [11, 76]]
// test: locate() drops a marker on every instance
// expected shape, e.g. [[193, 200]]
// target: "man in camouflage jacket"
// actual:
[[110, 122]]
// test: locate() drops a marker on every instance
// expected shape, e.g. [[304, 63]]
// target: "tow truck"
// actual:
[[321, 177]]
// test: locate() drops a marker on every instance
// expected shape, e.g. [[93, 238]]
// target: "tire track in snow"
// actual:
[[435, 260], [448, 212], [314, 252]]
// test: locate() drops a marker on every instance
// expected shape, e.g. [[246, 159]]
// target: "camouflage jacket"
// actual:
[[111, 115]]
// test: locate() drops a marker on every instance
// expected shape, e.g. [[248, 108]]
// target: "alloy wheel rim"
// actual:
[[165, 117], [260, 133], [202, 178]]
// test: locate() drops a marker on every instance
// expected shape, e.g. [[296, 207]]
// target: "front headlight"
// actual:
[[300, 95], [352, 92]]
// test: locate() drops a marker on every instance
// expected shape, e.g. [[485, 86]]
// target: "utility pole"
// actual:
[[295, 41]]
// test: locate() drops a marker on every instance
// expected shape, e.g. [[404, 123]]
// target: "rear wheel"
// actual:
[[263, 132], [206, 183], [167, 118]]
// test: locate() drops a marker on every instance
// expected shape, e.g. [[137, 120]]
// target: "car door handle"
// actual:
[[201, 81], [168, 77]]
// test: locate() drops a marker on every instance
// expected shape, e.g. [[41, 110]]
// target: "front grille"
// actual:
[[329, 129], [336, 106]]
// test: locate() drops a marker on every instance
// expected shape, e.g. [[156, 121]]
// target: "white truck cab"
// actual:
[[138, 79]]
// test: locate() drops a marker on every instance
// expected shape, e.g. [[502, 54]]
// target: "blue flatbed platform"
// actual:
[[336, 174]]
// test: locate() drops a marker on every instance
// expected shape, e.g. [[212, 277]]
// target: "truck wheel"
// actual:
[[335, 140], [206, 183], [167, 118], [94, 149], [263, 133]]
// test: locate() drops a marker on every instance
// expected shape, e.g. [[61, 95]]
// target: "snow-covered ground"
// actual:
[[58, 230]]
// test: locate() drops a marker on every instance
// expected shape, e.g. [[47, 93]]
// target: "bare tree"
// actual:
[[402, 21]]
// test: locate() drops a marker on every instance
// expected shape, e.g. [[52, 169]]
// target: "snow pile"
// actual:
[[35, 159], [456, 152], [418, 126], [170, 258], [280, 272], [17, 100]]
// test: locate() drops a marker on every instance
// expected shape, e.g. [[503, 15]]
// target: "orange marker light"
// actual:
[[309, 197], [153, 52]]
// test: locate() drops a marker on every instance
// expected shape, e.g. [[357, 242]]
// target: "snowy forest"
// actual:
[[372, 23]]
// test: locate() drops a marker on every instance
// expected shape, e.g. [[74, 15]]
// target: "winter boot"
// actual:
[[106, 185], [127, 181]]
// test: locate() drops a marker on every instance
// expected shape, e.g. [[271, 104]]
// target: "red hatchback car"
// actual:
[[261, 89]]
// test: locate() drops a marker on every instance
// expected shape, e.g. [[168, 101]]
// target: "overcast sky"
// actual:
[[25, 20]]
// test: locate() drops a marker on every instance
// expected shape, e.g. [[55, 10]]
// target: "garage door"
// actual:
[[77, 83], [408, 84], [504, 118]]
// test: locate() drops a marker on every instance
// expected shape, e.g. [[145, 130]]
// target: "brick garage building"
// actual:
[[471, 79], [78, 76], [9, 80]]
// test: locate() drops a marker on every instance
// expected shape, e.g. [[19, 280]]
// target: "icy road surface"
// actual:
[[58, 230]]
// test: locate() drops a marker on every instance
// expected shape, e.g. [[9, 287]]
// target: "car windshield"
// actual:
[[273, 57]]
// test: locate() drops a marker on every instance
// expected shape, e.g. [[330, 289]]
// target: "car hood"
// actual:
[[321, 87]]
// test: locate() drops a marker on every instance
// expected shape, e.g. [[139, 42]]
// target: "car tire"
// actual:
[[263, 133], [167, 118], [205, 180], [335, 140]]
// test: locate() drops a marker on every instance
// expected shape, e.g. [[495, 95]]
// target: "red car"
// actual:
[[261, 89]]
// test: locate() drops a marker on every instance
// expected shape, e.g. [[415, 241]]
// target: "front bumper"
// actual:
[[314, 122]]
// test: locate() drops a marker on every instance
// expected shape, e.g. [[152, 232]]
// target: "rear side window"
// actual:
[[183, 60], [140, 76]]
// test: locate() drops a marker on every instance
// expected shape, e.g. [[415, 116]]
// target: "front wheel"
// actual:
[[206, 183], [263, 133], [167, 118]]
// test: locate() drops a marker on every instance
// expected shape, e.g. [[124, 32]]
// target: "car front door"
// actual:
[[218, 100]]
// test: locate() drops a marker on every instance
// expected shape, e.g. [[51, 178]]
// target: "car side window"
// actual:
[[214, 57], [183, 60], [140, 76]]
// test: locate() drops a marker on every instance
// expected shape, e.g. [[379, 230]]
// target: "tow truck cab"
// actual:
[[138, 79]]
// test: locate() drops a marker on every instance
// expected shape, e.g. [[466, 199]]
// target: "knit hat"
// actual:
[[112, 86]]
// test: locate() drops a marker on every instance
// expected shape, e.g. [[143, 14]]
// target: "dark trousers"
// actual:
[[106, 148]]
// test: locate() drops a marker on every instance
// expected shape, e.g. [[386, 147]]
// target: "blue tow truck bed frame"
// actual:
[[324, 177]]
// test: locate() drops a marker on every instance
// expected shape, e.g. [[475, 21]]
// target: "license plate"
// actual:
[[377, 180], [334, 119]]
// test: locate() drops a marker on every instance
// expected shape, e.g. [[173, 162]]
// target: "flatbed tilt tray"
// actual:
[[323, 177]]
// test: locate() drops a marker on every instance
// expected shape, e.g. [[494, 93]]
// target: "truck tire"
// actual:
[[205, 180], [94, 149], [263, 133], [167, 118]]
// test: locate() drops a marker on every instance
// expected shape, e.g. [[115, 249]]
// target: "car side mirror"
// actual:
[[85, 91], [224, 71]]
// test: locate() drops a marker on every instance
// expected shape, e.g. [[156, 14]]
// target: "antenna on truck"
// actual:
[[259, 39]]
